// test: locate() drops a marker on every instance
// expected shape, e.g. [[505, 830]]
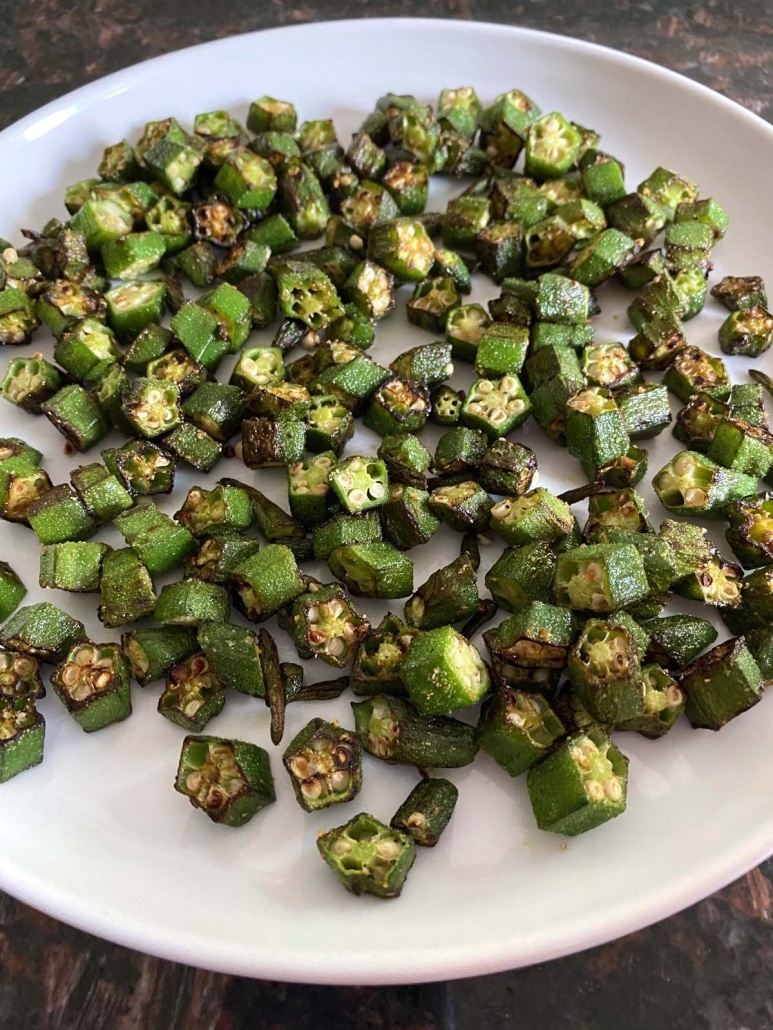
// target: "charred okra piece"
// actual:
[[225, 509], [20, 485], [102, 493], [530, 649], [94, 684], [426, 811], [406, 518], [12, 591], [230, 780], [535, 515], [663, 703], [403, 247], [216, 408], [22, 735], [676, 640], [308, 488], [605, 672], [328, 425], [464, 330], [738, 292], [497, 406], [693, 371], [41, 630], [517, 728], [77, 415], [267, 442], [459, 452], [192, 695], [193, 446], [600, 578], [522, 575], [462, 506], [30, 382], [266, 581], [234, 656], [741, 447], [324, 761], [326, 625], [595, 430], [218, 556], [372, 569], [579, 785], [158, 541], [427, 364], [72, 566], [398, 406], [152, 652], [507, 468], [143, 466], [692, 484], [390, 728], [126, 589], [615, 509], [443, 671], [379, 656], [19, 677], [449, 595], [406, 459], [190, 602], [750, 533], [345, 529], [721, 684], [368, 857], [19, 317], [645, 410], [152, 407]]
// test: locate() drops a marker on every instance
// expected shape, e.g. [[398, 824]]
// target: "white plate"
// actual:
[[96, 835]]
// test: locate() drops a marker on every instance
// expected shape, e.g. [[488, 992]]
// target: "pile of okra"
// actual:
[[213, 227]]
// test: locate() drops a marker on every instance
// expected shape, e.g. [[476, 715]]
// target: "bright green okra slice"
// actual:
[[158, 541], [230, 780], [535, 515], [517, 728], [225, 509], [234, 656], [522, 575], [19, 676], [266, 581], [600, 578], [531, 647], [30, 382], [22, 736], [579, 785], [605, 672], [324, 761], [449, 595], [326, 625], [360, 483], [497, 406], [426, 811], [750, 533], [595, 430], [193, 694], [372, 569], [443, 671], [692, 484], [392, 729], [152, 652], [94, 684], [73, 565], [367, 856], [190, 602], [664, 702], [12, 591]]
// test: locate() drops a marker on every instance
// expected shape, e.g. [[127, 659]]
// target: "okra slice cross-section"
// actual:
[[230, 780], [326, 625], [367, 856], [22, 736], [443, 671], [426, 811], [93, 683], [324, 761], [392, 729]]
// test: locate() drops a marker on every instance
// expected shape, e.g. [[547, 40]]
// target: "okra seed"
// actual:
[[501, 510], [312, 789], [695, 497], [193, 781], [192, 707], [376, 490], [497, 416], [299, 767], [594, 790], [336, 647], [684, 465], [339, 781], [341, 847], [485, 386], [388, 850], [356, 497], [613, 790]]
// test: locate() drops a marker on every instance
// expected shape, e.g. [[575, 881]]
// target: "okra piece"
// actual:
[[676, 640], [600, 578], [143, 466], [521, 575], [218, 556], [464, 329], [60, 515], [77, 415], [360, 484], [750, 533], [190, 602], [217, 408], [371, 289], [426, 811], [346, 529], [372, 569], [200, 334], [664, 702], [20, 315], [449, 595], [605, 672], [446, 405], [603, 177], [398, 406], [192, 695], [595, 430], [177, 367], [693, 371], [234, 657], [742, 447], [501, 350], [406, 459], [102, 493], [507, 468], [443, 671], [324, 762], [74, 566], [517, 729], [158, 541], [459, 452], [309, 488], [692, 484], [152, 652], [126, 589], [756, 603], [257, 366], [152, 407], [428, 364], [368, 857], [326, 625], [403, 247], [530, 648], [721, 684], [536, 515], [615, 509], [306, 293], [391, 728], [579, 785], [19, 487], [93, 683], [193, 446], [462, 506], [225, 509], [645, 410], [301, 199], [230, 780], [747, 331], [134, 304], [406, 518], [738, 292], [497, 406], [266, 442], [30, 382], [271, 115], [247, 180], [12, 591], [376, 668], [41, 630], [266, 581], [552, 146], [609, 365], [22, 736], [605, 255]]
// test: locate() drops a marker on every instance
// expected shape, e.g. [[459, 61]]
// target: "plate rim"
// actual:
[[444, 961]]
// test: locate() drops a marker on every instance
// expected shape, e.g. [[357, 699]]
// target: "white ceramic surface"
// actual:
[[96, 835]]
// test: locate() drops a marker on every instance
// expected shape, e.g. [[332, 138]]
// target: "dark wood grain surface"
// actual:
[[708, 968]]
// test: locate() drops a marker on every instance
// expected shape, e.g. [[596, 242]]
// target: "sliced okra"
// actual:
[[747, 331], [676, 640], [530, 648], [134, 304], [627, 470], [22, 736], [459, 452], [406, 518], [217, 557], [41, 630], [93, 683], [178, 367], [462, 506], [329, 424], [645, 409], [12, 591], [692, 484], [446, 405], [61, 306], [368, 857], [152, 407], [266, 442], [19, 677], [615, 509], [738, 292], [193, 446], [257, 366], [406, 459], [443, 671], [74, 566], [103, 494], [721, 684], [497, 406], [346, 529], [391, 729], [742, 447], [192, 695], [750, 533], [19, 488], [600, 577], [428, 364], [602, 257], [60, 515], [605, 672], [126, 589], [190, 602], [30, 382], [326, 625], [152, 652], [426, 811], [693, 371], [158, 541], [609, 365], [143, 466], [20, 316], [517, 729], [756, 603], [360, 484], [266, 581], [229, 779], [376, 668], [77, 415], [324, 761], [225, 509], [398, 405], [536, 515], [449, 595], [372, 569], [595, 430], [464, 329], [664, 701], [309, 488], [579, 785], [501, 350], [234, 656]]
